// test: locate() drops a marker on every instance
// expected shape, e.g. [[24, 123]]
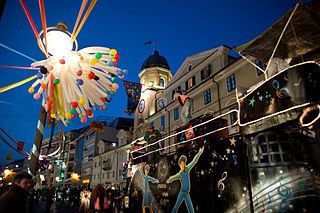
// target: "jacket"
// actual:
[[14, 200]]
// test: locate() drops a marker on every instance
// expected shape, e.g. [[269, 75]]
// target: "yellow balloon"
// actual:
[[81, 101], [31, 90], [81, 57], [113, 52], [68, 115], [92, 61], [114, 60]]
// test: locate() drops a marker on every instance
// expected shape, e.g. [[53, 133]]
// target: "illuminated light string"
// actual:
[[186, 130], [261, 83], [185, 141], [238, 121], [272, 115]]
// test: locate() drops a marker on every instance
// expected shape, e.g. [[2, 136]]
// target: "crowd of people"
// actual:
[[22, 197]]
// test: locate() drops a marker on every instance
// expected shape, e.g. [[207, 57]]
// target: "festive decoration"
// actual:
[[70, 86], [281, 93], [147, 196], [133, 94], [186, 103], [220, 184], [184, 177]]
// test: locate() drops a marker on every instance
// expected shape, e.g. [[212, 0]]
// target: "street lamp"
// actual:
[[75, 177], [59, 40]]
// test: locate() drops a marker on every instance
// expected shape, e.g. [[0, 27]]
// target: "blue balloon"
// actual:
[[120, 72], [125, 71], [39, 75], [109, 98], [110, 63], [79, 81]]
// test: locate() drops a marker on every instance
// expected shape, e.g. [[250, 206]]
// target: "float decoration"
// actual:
[[70, 82]]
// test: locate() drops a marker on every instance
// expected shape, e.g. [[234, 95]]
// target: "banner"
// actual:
[[133, 94]]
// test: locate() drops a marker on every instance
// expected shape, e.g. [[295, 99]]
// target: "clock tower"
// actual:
[[154, 76]]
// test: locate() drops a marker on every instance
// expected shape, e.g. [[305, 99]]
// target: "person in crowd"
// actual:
[[99, 201], [15, 198]]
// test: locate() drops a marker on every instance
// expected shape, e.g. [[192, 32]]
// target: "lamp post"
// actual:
[[59, 42]]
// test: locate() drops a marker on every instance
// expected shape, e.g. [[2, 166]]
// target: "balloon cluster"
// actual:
[[74, 84]]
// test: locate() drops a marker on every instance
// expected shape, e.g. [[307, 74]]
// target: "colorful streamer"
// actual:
[[83, 5], [18, 67], [31, 22], [12, 86], [86, 15], [16, 51], [44, 25]]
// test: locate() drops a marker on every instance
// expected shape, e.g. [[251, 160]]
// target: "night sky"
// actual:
[[182, 28]]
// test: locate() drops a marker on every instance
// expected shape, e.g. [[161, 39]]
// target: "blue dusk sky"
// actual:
[[181, 27]]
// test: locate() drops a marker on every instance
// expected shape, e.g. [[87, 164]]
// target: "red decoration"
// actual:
[[74, 104], [91, 75]]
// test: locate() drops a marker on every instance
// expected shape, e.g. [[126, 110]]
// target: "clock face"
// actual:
[[162, 103], [141, 106]]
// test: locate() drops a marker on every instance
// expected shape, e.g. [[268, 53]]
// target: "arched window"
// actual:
[[161, 82]]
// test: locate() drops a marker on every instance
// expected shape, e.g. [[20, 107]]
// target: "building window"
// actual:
[[206, 72], [207, 97], [94, 176], [231, 82], [233, 117], [191, 83], [260, 64], [113, 174], [176, 90], [176, 113], [162, 122], [152, 124], [102, 175], [161, 82]]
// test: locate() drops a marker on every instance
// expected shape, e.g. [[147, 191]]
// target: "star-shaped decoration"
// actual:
[[212, 163], [233, 142], [252, 101], [260, 98], [202, 172], [214, 154], [228, 151]]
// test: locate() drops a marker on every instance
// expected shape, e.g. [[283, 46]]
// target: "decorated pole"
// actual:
[[35, 151]]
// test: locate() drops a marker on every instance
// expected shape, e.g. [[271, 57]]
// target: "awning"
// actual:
[[301, 37]]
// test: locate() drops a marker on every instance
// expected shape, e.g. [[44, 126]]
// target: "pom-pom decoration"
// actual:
[[76, 81]]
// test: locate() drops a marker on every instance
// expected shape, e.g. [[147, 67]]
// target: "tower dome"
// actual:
[[155, 60]]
